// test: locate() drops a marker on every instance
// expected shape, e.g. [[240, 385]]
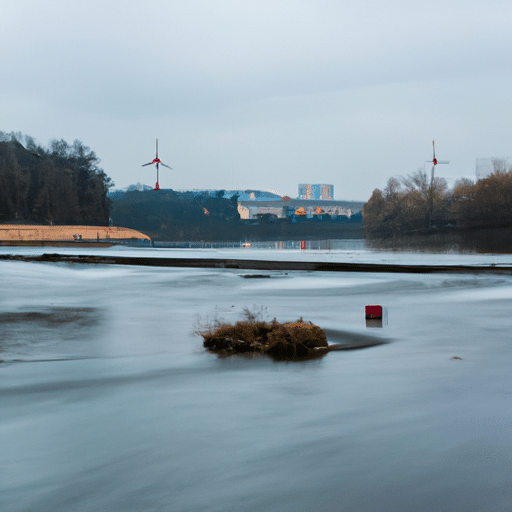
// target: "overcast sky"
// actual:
[[262, 94]]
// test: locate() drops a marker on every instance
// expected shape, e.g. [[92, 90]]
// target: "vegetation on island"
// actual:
[[61, 184], [418, 211], [253, 335]]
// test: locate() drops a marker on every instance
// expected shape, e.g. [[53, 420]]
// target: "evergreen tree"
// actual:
[[62, 184]]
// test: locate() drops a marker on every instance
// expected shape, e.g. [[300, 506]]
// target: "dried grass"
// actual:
[[297, 340]]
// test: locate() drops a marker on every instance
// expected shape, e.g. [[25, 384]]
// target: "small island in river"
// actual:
[[282, 341]]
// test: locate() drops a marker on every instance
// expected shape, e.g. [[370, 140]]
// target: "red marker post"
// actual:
[[373, 315]]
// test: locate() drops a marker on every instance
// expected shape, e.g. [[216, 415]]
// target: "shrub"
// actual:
[[289, 341]]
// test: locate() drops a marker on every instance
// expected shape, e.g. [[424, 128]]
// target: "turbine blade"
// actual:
[[144, 165], [161, 163], [157, 148]]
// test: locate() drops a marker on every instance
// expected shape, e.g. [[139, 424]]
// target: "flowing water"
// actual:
[[109, 402]]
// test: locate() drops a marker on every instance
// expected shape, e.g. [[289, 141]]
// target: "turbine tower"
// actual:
[[157, 162], [435, 162]]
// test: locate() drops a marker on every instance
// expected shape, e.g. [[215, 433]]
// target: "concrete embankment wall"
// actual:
[[23, 232]]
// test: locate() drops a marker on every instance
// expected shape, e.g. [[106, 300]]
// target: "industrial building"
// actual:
[[249, 210], [313, 201], [308, 191]]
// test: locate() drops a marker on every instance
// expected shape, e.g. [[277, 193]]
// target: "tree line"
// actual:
[[169, 215], [59, 184], [184, 216], [418, 204]]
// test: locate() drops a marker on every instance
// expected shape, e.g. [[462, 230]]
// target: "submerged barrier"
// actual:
[[229, 263]]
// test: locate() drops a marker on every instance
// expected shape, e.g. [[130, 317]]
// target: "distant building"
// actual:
[[316, 192], [249, 210], [486, 166]]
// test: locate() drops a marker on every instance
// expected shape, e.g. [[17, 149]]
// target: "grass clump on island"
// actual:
[[253, 335]]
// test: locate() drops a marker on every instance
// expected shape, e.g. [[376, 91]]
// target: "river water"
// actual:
[[109, 402]]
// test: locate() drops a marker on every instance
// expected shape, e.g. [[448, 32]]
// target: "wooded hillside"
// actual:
[[414, 204], [168, 215], [62, 184], [417, 206]]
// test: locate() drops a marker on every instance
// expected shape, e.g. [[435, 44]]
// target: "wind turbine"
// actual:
[[435, 161], [157, 162]]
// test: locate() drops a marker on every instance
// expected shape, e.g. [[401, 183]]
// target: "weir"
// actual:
[[263, 264]]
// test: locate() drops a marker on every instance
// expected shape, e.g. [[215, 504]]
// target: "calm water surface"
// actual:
[[108, 401]]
